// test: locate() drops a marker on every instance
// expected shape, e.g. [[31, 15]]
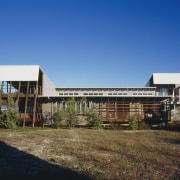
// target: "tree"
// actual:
[[59, 116], [83, 102], [67, 115], [9, 117], [71, 112], [93, 118], [133, 122]]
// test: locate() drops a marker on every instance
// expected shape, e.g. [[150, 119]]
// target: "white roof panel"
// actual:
[[166, 78], [19, 73]]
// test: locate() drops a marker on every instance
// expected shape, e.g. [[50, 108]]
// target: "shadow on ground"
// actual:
[[175, 128], [16, 164]]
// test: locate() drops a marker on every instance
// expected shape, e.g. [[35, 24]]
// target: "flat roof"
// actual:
[[166, 78], [19, 72], [103, 88]]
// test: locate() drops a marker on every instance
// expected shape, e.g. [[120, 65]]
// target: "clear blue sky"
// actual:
[[92, 43]]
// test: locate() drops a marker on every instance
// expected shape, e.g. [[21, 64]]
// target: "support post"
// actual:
[[26, 103], [18, 94], [1, 92], [35, 102]]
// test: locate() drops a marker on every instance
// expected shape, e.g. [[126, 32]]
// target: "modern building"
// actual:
[[37, 98]]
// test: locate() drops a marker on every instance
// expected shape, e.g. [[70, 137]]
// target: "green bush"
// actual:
[[9, 117], [93, 118], [59, 118], [67, 116], [133, 122], [71, 113]]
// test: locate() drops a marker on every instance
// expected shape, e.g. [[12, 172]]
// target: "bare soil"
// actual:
[[89, 154]]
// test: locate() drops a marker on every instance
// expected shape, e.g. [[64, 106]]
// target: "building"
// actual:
[[37, 98]]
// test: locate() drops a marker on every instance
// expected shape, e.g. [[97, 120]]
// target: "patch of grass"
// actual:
[[104, 154]]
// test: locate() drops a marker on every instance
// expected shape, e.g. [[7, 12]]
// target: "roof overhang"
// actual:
[[166, 78], [19, 72]]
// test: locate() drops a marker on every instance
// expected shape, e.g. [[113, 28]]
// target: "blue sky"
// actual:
[[92, 43]]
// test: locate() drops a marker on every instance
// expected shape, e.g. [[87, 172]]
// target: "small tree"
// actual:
[[133, 121], [83, 102], [9, 117], [58, 117], [93, 118], [71, 112]]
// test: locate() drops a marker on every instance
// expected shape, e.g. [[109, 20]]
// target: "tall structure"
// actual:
[[37, 98]]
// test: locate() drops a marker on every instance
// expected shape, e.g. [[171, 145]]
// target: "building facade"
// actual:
[[37, 98]]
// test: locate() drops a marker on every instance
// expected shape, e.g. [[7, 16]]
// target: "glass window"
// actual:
[[163, 91]]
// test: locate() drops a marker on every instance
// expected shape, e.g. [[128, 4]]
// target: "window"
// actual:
[[163, 91]]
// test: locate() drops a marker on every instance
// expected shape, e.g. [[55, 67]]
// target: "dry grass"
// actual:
[[104, 154]]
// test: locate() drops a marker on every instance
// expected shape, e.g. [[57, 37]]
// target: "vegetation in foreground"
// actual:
[[102, 154]]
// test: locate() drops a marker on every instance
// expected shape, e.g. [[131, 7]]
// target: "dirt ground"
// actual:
[[89, 154]]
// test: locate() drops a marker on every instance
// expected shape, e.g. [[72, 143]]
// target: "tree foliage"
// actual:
[[9, 117], [133, 122], [66, 116], [71, 112], [93, 118], [58, 117]]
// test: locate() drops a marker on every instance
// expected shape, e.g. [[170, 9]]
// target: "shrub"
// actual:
[[93, 118], [133, 122], [59, 117], [71, 113], [67, 116], [9, 117]]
